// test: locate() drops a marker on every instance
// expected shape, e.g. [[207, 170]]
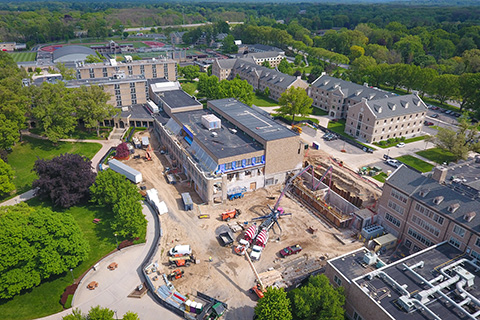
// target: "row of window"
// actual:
[[429, 213], [392, 219], [395, 207], [399, 196], [399, 134], [425, 225], [240, 163], [419, 237]]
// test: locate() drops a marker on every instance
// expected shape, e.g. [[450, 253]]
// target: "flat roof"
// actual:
[[99, 81], [259, 124], [138, 111], [433, 259], [225, 144], [178, 99], [351, 265]]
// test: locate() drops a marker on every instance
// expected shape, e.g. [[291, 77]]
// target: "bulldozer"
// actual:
[[232, 214], [175, 274]]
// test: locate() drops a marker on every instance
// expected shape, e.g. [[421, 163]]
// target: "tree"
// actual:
[[110, 187], [54, 111], [190, 72], [424, 81], [266, 92], [409, 47], [295, 101], [122, 150], [273, 306], [92, 107], [130, 316], [284, 66], [317, 300], [129, 219], [228, 45], [208, 86], [67, 73], [9, 132], [238, 89], [6, 177], [266, 64], [65, 179], [469, 89], [92, 59], [99, 313], [356, 52], [36, 244], [445, 87]]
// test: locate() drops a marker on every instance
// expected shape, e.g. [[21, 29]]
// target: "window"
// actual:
[[258, 160], [419, 237], [392, 219], [238, 164], [459, 231], [425, 225], [477, 243], [454, 242], [399, 196], [396, 207], [429, 213], [337, 280], [228, 166], [248, 162], [475, 254], [356, 316]]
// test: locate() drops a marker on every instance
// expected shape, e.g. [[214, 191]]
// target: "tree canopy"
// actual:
[[65, 179], [190, 72], [6, 178], [36, 244], [211, 88], [295, 101], [317, 300], [99, 313], [273, 306]]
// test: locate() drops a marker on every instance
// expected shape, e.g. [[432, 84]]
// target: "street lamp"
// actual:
[[73, 279], [116, 240]]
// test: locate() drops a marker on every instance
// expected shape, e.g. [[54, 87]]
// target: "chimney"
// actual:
[[439, 174]]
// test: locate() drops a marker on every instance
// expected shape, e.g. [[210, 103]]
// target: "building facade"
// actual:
[[382, 119], [149, 69], [335, 96], [229, 148], [423, 210]]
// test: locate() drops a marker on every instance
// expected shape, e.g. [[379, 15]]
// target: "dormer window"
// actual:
[[469, 216], [423, 193], [453, 207], [438, 200]]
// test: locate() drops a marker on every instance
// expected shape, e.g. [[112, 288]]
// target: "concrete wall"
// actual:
[[283, 155]]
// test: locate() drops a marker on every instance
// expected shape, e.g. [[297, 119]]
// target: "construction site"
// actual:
[[315, 210]]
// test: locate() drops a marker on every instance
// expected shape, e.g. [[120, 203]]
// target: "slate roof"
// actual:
[[263, 47], [396, 106], [349, 89], [254, 121], [226, 63], [426, 190], [271, 76], [262, 55]]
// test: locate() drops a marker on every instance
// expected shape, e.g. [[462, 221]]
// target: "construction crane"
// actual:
[[259, 288], [276, 212]]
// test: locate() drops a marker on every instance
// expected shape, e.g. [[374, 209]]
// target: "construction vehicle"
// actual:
[[242, 247], [175, 274], [181, 260], [226, 239], [296, 129], [259, 288], [232, 214], [237, 194]]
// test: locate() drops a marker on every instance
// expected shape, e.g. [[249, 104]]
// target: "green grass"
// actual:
[[437, 155], [189, 87], [388, 145], [139, 44], [381, 177], [23, 56], [45, 299], [416, 163], [339, 128], [318, 112], [297, 118], [83, 134], [262, 101], [24, 154]]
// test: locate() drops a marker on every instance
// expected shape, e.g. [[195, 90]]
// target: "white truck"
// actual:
[[181, 249], [256, 252], [130, 173]]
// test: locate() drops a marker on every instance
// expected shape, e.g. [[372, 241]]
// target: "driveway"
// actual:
[[115, 286]]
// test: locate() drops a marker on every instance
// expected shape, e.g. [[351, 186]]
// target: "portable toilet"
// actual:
[[188, 304], [199, 308]]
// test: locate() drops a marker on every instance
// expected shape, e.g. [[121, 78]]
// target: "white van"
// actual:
[[181, 249]]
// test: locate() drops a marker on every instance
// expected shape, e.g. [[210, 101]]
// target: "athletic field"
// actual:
[[23, 56]]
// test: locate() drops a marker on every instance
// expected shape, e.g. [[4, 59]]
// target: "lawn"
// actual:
[[297, 118], [139, 44], [262, 101], [189, 87], [23, 56], [339, 128], [394, 143], [318, 112], [24, 154], [416, 163], [437, 155], [381, 177], [45, 299], [82, 134]]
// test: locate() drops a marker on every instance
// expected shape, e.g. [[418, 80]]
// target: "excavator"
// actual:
[[259, 289]]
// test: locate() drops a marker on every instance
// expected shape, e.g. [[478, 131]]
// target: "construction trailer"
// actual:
[[159, 206], [130, 173], [187, 201]]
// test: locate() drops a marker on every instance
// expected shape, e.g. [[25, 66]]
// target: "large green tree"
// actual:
[[190, 72], [36, 244], [228, 45], [469, 91], [54, 110], [295, 101], [129, 220], [99, 313], [238, 89], [92, 107], [67, 73], [273, 306], [208, 86], [409, 47], [445, 87], [6, 178], [317, 300]]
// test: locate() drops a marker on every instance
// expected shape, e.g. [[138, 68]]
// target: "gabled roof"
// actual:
[[349, 89], [262, 55], [396, 106], [265, 74], [226, 63]]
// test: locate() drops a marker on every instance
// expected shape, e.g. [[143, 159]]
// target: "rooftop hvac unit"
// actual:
[[211, 122], [370, 258]]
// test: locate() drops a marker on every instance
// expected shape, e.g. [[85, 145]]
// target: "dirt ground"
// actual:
[[229, 277]]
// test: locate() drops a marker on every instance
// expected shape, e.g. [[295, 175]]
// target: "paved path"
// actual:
[[114, 286]]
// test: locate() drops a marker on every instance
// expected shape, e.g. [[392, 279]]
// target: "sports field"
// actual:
[[23, 56]]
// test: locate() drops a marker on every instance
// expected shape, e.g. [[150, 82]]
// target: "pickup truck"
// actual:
[[226, 239]]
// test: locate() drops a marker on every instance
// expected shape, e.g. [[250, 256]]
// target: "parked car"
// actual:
[[441, 110], [288, 251], [428, 123], [394, 163], [401, 145], [435, 115], [434, 108], [448, 112], [457, 114]]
